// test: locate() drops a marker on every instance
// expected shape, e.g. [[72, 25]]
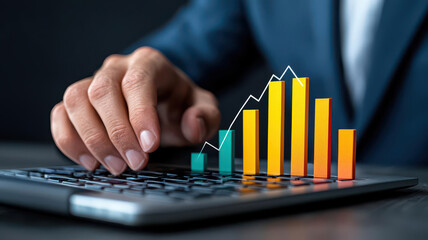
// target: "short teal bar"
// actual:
[[198, 162], [226, 158]]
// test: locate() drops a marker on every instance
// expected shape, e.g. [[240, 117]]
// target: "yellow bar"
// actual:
[[250, 129], [347, 150], [275, 165], [322, 138], [299, 127]]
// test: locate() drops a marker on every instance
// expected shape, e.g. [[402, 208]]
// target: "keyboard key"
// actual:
[[45, 170], [53, 180], [121, 186], [202, 189], [21, 175], [155, 185], [7, 173], [37, 178], [63, 171], [207, 179], [106, 184], [138, 188], [58, 177], [73, 183], [113, 190], [36, 174], [176, 180], [202, 183], [156, 191], [81, 174], [181, 185], [93, 187], [150, 173]]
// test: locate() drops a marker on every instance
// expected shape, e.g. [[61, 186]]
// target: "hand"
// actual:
[[130, 107]]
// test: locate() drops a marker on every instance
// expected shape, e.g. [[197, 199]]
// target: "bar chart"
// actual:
[[275, 141]]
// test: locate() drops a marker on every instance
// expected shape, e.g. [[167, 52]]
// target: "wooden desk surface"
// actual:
[[400, 214]]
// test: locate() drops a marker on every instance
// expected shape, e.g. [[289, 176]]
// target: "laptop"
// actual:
[[163, 194]]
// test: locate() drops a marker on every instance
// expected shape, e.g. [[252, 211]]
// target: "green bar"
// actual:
[[198, 162], [226, 158]]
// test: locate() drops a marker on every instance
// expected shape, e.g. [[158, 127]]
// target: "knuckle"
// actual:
[[92, 140], [118, 133], [144, 51], [73, 95], [112, 59], [134, 78], [98, 89], [139, 113]]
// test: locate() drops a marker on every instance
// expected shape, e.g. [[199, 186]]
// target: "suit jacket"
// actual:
[[209, 38]]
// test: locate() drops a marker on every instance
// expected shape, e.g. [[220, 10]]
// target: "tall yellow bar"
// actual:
[[347, 151], [322, 138], [250, 127], [299, 127], [275, 164]]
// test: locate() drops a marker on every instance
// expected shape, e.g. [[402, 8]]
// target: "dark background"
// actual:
[[47, 45]]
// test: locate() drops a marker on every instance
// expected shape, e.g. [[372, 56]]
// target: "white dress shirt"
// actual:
[[359, 22]]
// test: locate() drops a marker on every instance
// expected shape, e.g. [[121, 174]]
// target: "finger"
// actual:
[[68, 140], [90, 128], [149, 73], [106, 97], [202, 119]]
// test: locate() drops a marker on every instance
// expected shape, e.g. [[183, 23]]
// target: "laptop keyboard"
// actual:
[[170, 184]]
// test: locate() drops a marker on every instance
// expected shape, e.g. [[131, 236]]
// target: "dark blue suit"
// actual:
[[210, 37]]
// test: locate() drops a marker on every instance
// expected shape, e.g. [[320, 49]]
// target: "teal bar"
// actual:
[[226, 158], [198, 162]]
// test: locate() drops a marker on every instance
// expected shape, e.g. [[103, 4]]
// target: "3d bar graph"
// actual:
[[347, 147], [198, 162], [275, 148], [275, 136], [250, 138], [322, 138], [299, 127], [226, 159]]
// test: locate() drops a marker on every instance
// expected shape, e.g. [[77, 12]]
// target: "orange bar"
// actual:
[[322, 138], [347, 148], [299, 127]]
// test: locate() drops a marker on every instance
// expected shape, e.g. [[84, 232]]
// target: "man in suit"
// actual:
[[370, 56]]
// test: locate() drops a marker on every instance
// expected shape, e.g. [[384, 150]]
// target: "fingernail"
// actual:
[[135, 159], [115, 164], [88, 161], [147, 140], [203, 130]]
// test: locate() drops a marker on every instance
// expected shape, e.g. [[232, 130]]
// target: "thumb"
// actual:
[[202, 119]]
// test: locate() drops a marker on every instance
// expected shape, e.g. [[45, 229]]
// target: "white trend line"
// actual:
[[245, 103]]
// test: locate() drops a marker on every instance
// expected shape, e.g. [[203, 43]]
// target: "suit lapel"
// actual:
[[327, 28], [398, 24]]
